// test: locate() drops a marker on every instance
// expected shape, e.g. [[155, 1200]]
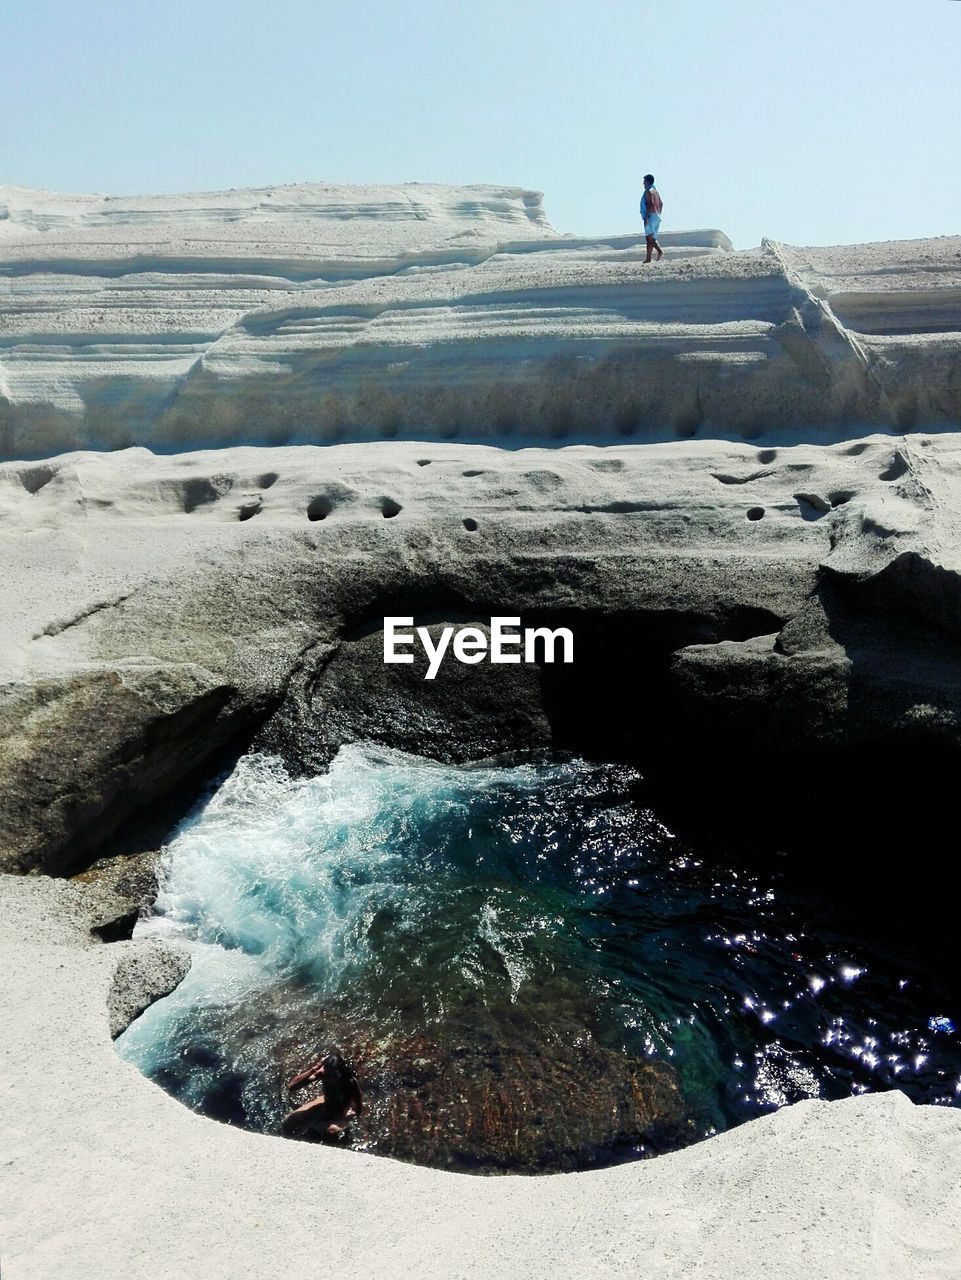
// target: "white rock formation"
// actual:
[[160, 608], [317, 313], [156, 604]]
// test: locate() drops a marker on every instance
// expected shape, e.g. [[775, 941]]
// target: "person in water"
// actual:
[[651, 206], [326, 1116]]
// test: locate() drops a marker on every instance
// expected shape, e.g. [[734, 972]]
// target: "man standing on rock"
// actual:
[[651, 206]]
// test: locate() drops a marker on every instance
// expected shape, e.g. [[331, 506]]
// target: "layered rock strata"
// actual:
[[318, 313]]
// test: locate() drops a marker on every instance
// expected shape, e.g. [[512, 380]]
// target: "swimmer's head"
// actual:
[[336, 1067]]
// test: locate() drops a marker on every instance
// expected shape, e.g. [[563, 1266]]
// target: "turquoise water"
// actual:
[[453, 924]]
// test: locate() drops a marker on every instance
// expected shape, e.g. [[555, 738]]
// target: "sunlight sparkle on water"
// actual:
[[531, 896]]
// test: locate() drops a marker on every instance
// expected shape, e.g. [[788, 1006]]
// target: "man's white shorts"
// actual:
[[653, 225]]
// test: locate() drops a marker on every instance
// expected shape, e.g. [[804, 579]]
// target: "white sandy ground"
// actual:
[[105, 1176]]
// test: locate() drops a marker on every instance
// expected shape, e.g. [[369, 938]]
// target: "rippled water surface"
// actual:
[[529, 970]]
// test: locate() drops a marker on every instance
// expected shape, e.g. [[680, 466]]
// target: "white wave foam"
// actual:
[[293, 870]]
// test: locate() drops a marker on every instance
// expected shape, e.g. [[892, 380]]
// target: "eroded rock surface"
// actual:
[[728, 602], [322, 313], [146, 972], [468, 712]]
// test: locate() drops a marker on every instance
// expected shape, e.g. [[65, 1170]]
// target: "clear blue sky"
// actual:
[[812, 121]]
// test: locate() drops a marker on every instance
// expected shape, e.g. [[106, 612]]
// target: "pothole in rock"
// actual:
[[527, 969], [36, 478], [320, 507]]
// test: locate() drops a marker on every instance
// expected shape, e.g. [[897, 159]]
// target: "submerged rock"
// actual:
[[520, 1086], [535, 1105]]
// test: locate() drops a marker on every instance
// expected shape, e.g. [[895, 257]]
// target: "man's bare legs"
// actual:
[[296, 1118], [652, 245]]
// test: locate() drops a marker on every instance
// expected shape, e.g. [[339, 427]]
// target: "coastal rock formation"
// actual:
[[468, 713], [144, 974], [319, 313], [770, 626], [786, 606]]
